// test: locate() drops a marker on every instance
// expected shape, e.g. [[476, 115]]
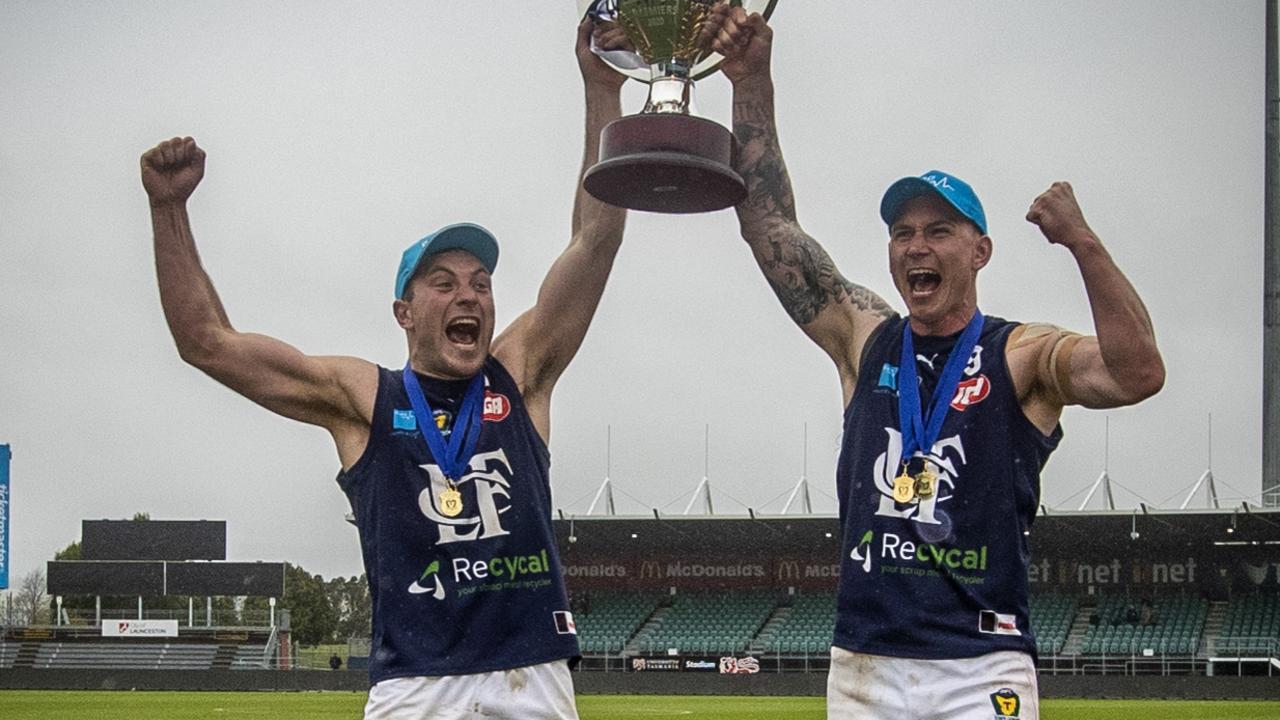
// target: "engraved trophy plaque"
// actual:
[[665, 159]]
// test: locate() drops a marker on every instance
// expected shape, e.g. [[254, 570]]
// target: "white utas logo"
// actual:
[[488, 475]]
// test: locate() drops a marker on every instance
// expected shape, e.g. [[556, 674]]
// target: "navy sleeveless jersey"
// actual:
[[944, 577], [478, 592]]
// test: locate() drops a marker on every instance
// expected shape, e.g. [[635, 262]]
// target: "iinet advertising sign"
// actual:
[[139, 628]]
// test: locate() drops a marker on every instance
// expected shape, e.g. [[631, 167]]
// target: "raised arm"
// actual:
[[836, 313], [335, 393], [1121, 364], [538, 346]]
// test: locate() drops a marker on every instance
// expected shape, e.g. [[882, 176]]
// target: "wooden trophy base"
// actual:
[[666, 163]]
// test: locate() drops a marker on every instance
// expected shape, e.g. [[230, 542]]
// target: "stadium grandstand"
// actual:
[[1130, 594], [146, 562], [1189, 592]]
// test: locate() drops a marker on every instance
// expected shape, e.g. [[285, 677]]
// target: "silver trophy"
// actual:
[[665, 159]]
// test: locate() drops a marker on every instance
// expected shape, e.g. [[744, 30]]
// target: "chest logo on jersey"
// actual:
[[971, 392], [888, 377], [946, 455], [486, 491], [500, 572], [496, 407], [404, 422]]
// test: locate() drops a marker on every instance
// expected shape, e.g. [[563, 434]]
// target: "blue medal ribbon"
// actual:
[[919, 432], [453, 457]]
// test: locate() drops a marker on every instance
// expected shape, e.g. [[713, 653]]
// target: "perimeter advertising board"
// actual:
[[723, 664]]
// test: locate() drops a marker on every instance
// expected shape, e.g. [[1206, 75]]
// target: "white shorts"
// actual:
[[536, 692], [988, 687]]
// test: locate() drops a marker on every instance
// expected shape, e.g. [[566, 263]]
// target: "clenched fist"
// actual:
[[746, 41], [172, 170], [1059, 217]]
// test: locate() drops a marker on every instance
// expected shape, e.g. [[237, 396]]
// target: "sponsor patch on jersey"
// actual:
[[971, 392], [996, 623], [496, 407], [564, 623], [403, 420], [888, 377], [1007, 703]]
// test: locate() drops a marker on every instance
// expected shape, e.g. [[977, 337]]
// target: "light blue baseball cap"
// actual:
[[947, 186], [461, 236]]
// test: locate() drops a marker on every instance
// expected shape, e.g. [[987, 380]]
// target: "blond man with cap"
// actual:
[[445, 461], [949, 418]]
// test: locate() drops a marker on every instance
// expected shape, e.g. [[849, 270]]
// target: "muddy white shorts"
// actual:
[[536, 692], [995, 686]]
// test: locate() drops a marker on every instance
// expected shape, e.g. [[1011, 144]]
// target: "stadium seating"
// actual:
[[1174, 629], [805, 629], [8, 653], [125, 656], [607, 619], [706, 622], [1251, 627], [1051, 618]]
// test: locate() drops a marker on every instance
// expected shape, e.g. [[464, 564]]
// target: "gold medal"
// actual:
[[926, 482], [904, 489], [450, 501]]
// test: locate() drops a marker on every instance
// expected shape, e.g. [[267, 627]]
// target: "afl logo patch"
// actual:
[[971, 392], [496, 407]]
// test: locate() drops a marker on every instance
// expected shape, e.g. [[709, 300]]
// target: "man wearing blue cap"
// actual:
[[949, 418], [445, 462]]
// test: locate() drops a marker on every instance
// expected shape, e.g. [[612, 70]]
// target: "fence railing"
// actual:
[[1248, 645], [219, 618]]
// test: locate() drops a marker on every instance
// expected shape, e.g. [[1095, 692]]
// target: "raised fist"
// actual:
[[1059, 217], [172, 170]]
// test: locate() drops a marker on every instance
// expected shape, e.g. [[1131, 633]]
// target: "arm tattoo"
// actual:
[[800, 272], [760, 162], [805, 279]]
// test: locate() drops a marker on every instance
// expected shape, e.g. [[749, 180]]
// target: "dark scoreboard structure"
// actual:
[[150, 558], [153, 540]]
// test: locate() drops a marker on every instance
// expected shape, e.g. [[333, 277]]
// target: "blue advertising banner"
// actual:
[[4, 516]]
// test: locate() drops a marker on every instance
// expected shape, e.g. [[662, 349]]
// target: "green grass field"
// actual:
[[125, 705]]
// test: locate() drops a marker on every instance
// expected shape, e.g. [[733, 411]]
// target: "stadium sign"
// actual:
[[739, 665], [5, 454], [139, 628], [655, 664], [726, 665], [651, 569], [692, 570], [1213, 570]]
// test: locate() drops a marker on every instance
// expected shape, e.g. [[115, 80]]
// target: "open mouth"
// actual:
[[923, 282], [463, 331]]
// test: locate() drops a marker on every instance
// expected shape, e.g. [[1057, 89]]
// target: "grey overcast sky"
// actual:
[[340, 132]]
